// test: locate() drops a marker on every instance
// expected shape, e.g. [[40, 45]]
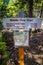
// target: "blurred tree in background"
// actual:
[[31, 7], [10, 8]]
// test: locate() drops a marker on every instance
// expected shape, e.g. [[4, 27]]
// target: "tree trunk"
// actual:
[[41, 12], [30, 2]]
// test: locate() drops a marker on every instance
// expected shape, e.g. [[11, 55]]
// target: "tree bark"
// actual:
[[30, 2]]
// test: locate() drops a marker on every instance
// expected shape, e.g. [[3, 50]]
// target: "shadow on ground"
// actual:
[[34, 54]]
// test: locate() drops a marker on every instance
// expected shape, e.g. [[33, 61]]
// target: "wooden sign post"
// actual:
[[21, 56], [21, 50]]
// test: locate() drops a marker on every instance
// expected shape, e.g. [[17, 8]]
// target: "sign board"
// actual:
[[21, 28], [21, 23], [21, 38]]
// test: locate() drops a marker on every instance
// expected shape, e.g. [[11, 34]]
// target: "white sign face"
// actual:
[[21, 23], [21, 38]]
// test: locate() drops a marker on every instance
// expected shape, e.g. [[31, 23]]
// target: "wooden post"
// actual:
[[21, 56]]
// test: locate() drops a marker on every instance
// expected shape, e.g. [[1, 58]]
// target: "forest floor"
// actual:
[[34, 53], [35, 50]]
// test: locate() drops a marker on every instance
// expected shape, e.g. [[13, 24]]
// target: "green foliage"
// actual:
[[38, 6], [2, 46], [0, 37], [15, 5], [3, 9], [3, 50], [11, 9]]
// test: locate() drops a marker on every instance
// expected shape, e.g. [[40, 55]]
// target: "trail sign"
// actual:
[[21, 38], [21, 23], [21, 27]]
